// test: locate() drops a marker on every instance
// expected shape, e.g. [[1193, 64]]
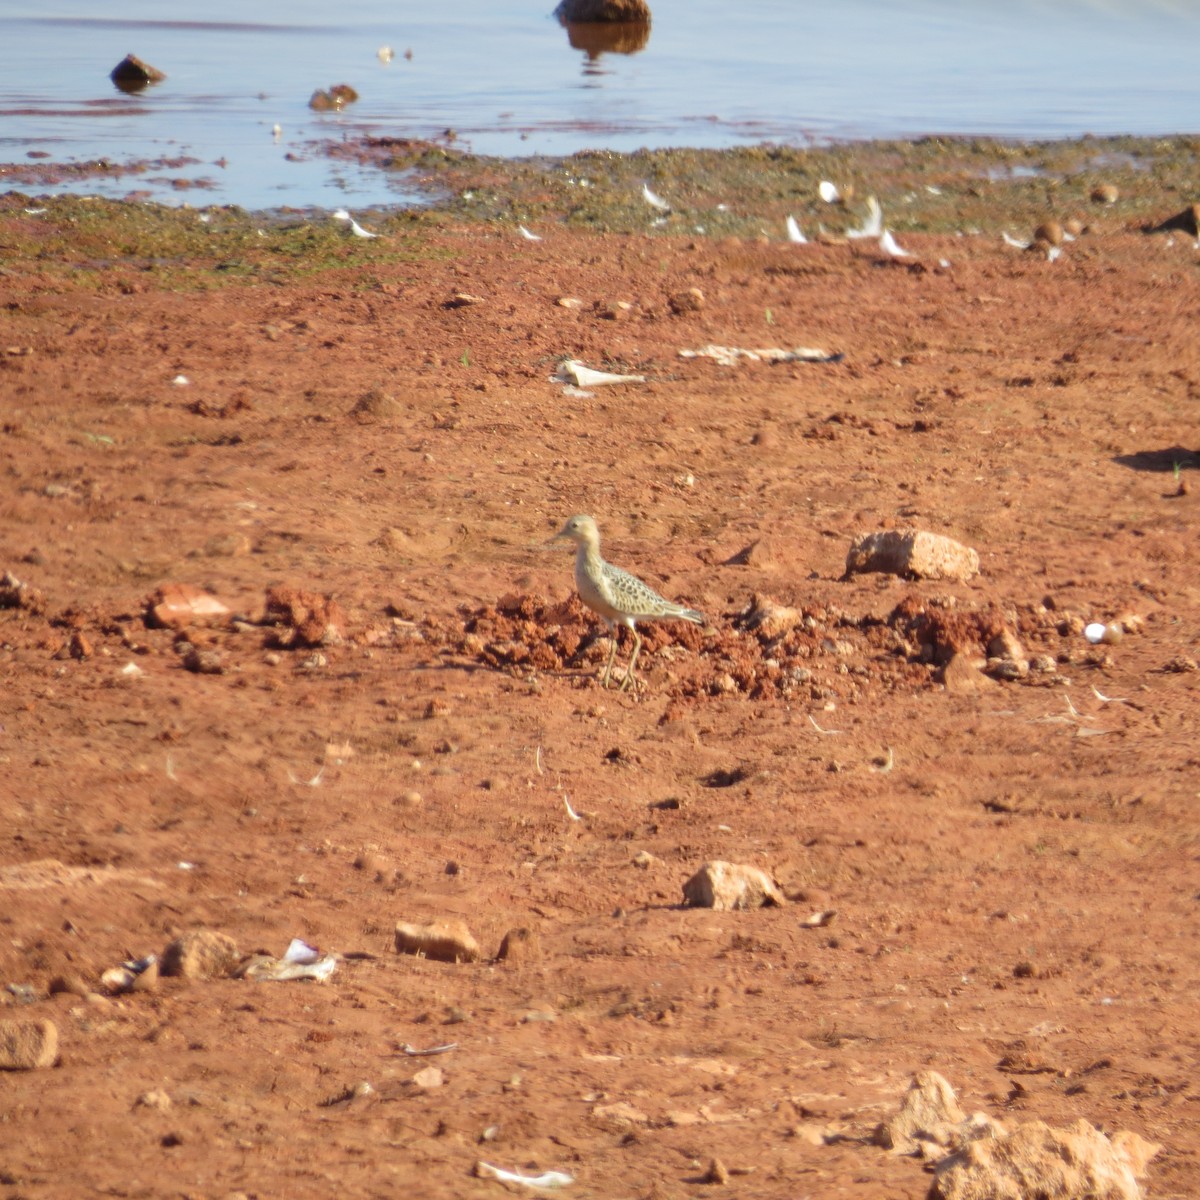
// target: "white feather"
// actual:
[[888, 245], [793, 232], [872, 227], [653, 200]]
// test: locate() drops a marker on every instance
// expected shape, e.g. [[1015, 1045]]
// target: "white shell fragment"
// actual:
[[793, 232], [527, 235], [828, 192], [547, 1179], [653, 200], [355, 227], [385, 54], [573, 371], [1094, 633], [1016, 243]]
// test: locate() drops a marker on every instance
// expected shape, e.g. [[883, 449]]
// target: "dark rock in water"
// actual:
[[131, 74], [333, 100], [608, 37], [583, 11]]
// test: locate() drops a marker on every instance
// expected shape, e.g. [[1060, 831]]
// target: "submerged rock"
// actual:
[[579, 11], [131, 74]]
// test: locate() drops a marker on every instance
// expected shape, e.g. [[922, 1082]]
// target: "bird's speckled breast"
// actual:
[[589, 579]]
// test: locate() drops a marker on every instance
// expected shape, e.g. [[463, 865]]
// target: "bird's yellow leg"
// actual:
[[608, 665], [629, 676]]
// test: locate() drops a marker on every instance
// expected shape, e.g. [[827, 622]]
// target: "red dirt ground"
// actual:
[[1017, 896]]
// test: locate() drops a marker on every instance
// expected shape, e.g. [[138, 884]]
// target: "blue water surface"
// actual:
[[505, 78]]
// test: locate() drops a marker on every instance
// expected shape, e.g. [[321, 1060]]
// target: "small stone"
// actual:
[[307, 619], [724, 684], [1050, 232], [28, 1045], [767, 618], [571, 302], [131, 74], [644, 859], [1105, 193], [929, 1105], [961, 677], [444, 941], [378, 405], [336, 98], [1076, 1163], [157, 1099], [201, 954], [429, 1077], [146, 980], [178, 605], [203, 662], [227, 545], [1132, 622], [912, 553], [1005, 645], [1074, 226], [70, 984], [1010, 669], [691, 301], [726, 886], [520, 945], [717, 1172]]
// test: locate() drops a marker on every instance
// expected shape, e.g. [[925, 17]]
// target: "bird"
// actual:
[[616, 596]]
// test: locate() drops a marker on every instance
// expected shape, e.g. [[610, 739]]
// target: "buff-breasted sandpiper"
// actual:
[[617, 597]]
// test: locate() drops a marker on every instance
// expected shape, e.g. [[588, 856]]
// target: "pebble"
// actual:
[[201, 954], [429, 1077], [691, 301], [726, 886], [1049, 231], [717, 1172], [912, 553], [28, 1045], [520, 945], [448, 940]]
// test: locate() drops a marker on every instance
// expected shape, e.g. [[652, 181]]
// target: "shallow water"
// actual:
[[505, 77]]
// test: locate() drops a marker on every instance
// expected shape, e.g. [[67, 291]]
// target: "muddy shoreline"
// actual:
[[358, 448]]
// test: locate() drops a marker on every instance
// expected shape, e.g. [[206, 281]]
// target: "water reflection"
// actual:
[[596, 38]]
